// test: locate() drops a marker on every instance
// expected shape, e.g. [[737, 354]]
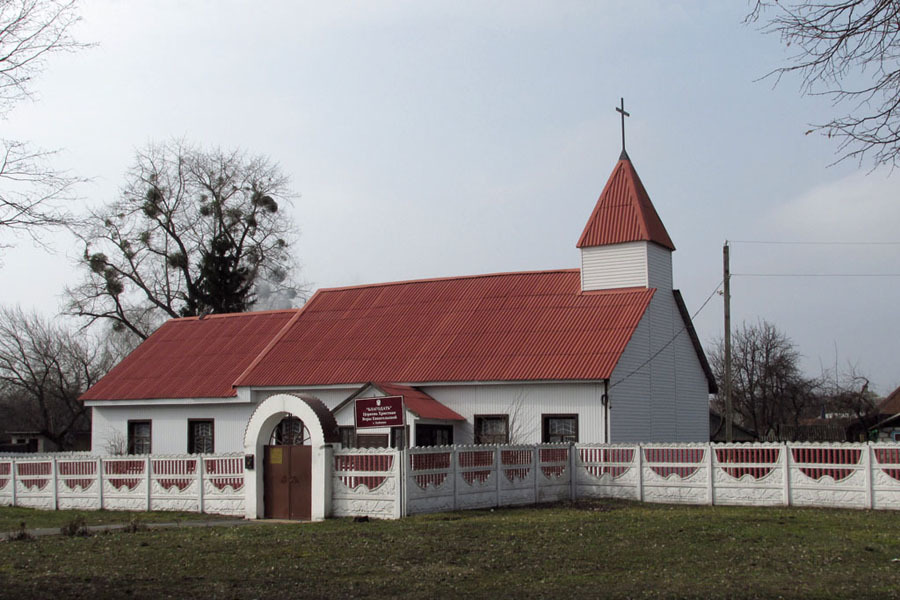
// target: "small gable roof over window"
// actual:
[[192, 357], [624, 213], [420, 403], [502, 327], [415, 400]]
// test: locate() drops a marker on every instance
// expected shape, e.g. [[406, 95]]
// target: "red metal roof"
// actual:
[[501, 327], [192, 357], [419, 402], [624, 213], [891, 404]]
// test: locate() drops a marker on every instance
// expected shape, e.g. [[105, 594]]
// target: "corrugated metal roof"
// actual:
[[192, 357], [891, 404], [501, 327], [624, 213], [419, 402]]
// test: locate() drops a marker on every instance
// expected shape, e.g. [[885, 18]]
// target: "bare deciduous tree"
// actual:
[[44, 368], [193, 233], [845, 395], [32, 192], [848, 50], [768, 389]]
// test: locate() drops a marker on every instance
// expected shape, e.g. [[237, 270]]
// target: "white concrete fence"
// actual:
[[392, 484], [465, 477], [191, 483]]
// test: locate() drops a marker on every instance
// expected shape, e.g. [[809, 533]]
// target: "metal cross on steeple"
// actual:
[[624, 114]]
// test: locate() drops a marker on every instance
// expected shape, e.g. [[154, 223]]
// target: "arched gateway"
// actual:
[[290, 437]]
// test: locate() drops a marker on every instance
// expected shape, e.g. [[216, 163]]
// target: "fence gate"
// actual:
[[288, 482]]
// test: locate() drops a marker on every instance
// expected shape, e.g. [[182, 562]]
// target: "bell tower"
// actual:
[[624, 243]]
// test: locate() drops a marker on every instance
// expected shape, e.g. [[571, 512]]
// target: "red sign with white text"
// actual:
[[379, 412]]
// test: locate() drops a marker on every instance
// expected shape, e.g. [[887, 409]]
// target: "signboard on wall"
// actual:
[[379, 412]]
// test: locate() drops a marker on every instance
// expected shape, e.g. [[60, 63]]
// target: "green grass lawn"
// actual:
[[589, 549], [12, 517]]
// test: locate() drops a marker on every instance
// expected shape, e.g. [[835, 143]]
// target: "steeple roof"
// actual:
[[624, 212]]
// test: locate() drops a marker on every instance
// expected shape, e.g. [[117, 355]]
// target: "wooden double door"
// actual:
[[288, 482]]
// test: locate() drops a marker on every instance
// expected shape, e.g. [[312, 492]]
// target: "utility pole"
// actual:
[[729, 414]]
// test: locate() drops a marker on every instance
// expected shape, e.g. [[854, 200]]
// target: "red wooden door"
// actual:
[[287, 482]]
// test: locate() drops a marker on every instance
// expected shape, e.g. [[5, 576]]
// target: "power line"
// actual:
[[815, 274], [811, 243], [673, 338]]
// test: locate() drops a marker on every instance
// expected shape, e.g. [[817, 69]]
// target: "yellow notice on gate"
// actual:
[[276, 456]]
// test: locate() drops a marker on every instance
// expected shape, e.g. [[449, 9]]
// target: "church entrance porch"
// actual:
[[289, 437]]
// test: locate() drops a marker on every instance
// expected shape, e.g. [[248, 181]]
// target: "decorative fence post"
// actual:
[[200, 483], [870, 473], [711, 492], [12, 478], [639, 452], [786, 464], [535, 469], [573, 489], [100, 483], [497, 474], [147, 467], [454, 474], [402, 481], [54, 476]]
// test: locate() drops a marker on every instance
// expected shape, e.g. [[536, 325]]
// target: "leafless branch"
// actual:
[[44, 368], [848, 50], [33, 195]]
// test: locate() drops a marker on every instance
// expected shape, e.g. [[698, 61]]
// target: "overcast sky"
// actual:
[[429, 139]]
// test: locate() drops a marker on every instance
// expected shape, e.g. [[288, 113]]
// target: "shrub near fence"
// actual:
[[196, 483]]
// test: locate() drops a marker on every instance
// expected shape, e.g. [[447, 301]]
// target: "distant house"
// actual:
[[887, 426], [604, 353], [717, 430], [33, 441], [18, 434]]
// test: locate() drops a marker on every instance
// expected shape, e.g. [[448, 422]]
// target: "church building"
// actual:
[[603, 353]]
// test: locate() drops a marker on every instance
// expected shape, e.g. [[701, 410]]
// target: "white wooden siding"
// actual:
[[524, 403], [169, 422], [666, 400], [692, 391], [659, 267], [169, 428], [662, 313], [630, 412], [614, 266]]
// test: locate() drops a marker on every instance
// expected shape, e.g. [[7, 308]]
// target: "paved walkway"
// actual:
[[43, 532]]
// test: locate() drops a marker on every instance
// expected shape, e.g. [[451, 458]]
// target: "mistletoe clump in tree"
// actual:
[[194, 232]]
